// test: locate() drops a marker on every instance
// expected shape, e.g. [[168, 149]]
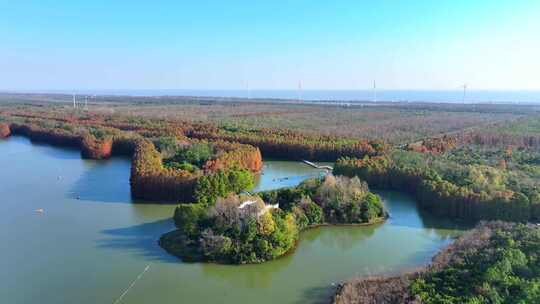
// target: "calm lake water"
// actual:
[[91, 242]]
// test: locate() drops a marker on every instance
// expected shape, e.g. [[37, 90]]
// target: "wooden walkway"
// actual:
[[314, 165]]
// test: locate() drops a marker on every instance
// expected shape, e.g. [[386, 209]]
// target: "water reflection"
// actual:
[[343, 238], [404, 212], [317, 295], [256, 276], [140, 240], [103, 181], [64, 153], [314, 245], [444, 227]]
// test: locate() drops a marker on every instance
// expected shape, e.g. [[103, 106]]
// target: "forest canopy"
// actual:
[[483, 183]]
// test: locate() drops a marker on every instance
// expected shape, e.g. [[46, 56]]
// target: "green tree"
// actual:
[[187, 217], [372, 207], [221, 183], [313, 212]]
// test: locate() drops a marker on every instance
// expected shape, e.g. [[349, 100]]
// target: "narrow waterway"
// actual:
[[91, 241]]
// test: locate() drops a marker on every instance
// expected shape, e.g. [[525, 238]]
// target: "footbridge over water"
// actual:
[[314, 165]]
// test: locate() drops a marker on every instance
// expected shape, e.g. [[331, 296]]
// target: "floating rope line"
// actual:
[[132, 284]]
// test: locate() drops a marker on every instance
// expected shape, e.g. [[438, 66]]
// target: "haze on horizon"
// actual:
[[434, 45]]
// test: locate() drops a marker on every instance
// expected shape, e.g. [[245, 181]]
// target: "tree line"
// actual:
[[447, 188], [273, 143], [286, 144]]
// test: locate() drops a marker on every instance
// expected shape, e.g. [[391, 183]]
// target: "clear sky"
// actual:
[[118, 44]]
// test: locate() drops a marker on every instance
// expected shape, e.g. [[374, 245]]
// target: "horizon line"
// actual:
[[469, 89]]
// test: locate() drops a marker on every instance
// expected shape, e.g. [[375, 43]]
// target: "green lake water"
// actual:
[[92, 241]]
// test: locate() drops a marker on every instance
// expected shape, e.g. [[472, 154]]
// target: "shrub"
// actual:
[[167, 146], [313, 212], [180, 166], [221, 183], [196, 154], [372, 207], [341, 199]]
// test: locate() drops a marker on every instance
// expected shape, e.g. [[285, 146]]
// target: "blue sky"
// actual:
[[273, 44]]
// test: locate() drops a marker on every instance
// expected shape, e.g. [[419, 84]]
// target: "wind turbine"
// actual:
[[464, 92], [74, 103], [299, 92], [86, 102], [246, 83], [374, 91]]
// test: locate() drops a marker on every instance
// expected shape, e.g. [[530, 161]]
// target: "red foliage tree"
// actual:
[[93, 148], [5, 130]]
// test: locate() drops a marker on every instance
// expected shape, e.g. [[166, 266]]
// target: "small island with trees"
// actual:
[[242, 229]]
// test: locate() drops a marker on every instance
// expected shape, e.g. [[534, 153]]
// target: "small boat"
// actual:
[[40, 210]]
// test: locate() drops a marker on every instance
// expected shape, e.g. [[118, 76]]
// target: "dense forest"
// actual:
[[522, 133], [469, 174], [471, 182], [185, 174], [491, 174], [496, 262], [393, 122], [242, 229], [276, 143], [286, 144]]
